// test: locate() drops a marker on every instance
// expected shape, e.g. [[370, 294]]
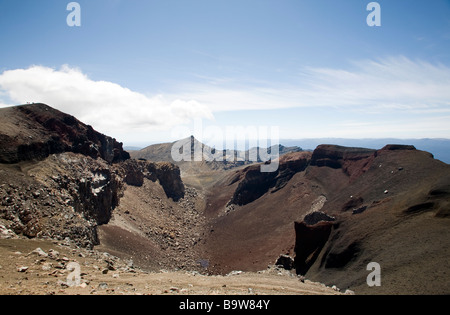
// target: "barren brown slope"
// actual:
[[253, 235], [396, 213], [389, 206], [155, 231]]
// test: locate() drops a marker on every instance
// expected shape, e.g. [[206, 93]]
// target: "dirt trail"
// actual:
[[24, 270]]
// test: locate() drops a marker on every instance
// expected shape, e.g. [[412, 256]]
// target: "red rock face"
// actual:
[[254, 183], [352, 160]]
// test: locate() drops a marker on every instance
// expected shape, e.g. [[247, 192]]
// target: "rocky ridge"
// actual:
[[344, 208], [68, 178], [33, 132], [68, 195]]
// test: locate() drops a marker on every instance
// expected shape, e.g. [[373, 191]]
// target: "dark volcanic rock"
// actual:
[[36, 131], [285, 261], [65, 196], [168, 175], [254, 185], [134, 175], [392, 147], [98, 195], [59, 178], [309, 241], [316, 217]]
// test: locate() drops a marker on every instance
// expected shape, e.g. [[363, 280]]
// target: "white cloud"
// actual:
[[107, 106], [396, 83]]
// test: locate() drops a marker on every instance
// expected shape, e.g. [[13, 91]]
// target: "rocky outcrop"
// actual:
[[133, 172], [393, 147], [335, 156], [33, 132], [353, 161], [64, 196], [309, 242], [69, 195], [75, 179], [286, 262], [316, 217], [97, 195], [168, 175], [255, 183]]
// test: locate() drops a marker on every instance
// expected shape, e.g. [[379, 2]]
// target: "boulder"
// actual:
[[285, 261]]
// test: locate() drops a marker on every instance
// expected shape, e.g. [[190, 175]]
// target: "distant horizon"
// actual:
[[439, 147], [144, 144]]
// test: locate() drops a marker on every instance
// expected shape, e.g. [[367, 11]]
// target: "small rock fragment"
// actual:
[[22, 269]]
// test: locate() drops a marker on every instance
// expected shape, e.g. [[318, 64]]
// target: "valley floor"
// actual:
[[25, 270]]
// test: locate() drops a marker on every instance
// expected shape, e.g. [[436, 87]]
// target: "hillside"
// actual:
[[61, 179], [326, 214], [350, 206]]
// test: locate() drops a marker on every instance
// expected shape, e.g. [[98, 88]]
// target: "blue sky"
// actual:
[[139, 69]]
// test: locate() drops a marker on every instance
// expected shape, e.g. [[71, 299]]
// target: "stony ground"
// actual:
[[44, 267]]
